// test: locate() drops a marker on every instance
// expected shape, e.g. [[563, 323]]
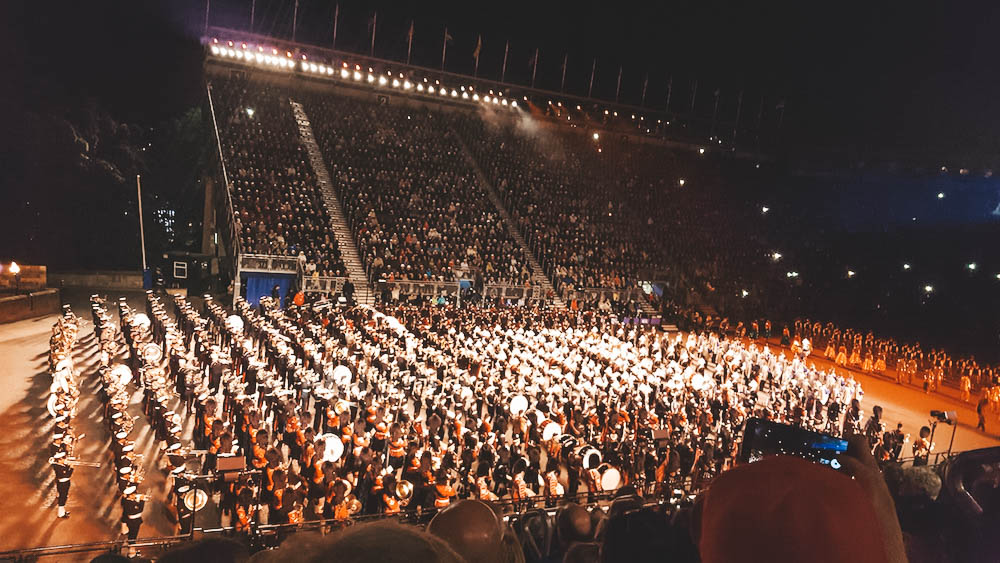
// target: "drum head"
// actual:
[[551, 430], [518, 404], [195, 500], [611, 479]]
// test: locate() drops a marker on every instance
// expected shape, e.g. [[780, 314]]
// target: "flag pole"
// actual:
[[444, 47], [142, 231], [645, 83], [208, 5], [670, 90], [253, 8], [593, 69], [562, 85], [336, 16], [739, 109], [619, 87], [371, 52], [534, 68], [295, 19], [503, 71], [694, 95]]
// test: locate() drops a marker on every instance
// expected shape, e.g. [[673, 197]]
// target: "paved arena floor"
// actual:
[[27, 487]]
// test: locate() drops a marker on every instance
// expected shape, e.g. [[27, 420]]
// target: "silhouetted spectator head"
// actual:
[[788, 509], [471, 528]]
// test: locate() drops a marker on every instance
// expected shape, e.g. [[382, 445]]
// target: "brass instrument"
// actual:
[[404, 489]]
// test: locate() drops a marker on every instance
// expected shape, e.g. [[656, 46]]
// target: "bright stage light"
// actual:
[[475, 97], [681, 182], [344, 74], [513, 104], [382, 81], [776, 256], [503, 102], [486, 99], [420, 87], [744, 293], [928, 288], [215, 50], [792, 274], [465, 95], [430, 89], [454, 93], [940, 195], [407, 85], [371, 78], [906, 266], [701, 151], [850, 273], [250, 112], [14, 268], [496, 100], [357, 76], [395, 83], [971, 266], [597, 136], [443, 91], [765, 209]]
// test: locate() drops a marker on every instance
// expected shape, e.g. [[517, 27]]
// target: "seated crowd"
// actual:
[[278, 207], [414, 201]]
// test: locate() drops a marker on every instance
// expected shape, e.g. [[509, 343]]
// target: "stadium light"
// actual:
[[382, 81], [215, 50], [765, 209], [503, 102], [998, 276], [395, 83], [407, 85], [420, 87], [850, 273], [971, 266], [792, 274], [744, 293], [596, 136], [344, 74], [250, 112], [513, 103], [776, 256], [928, 288], [486, 99], [357, 76], [475, 97], [371, 78], [701, 150], [681, 182], [454, 93], [906, 266], [430, 89], [14, 268], [940, 195]]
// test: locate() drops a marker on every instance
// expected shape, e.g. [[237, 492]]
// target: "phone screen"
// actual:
[[762, 438]]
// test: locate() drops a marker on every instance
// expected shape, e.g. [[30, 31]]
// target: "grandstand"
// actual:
[[439, 188]]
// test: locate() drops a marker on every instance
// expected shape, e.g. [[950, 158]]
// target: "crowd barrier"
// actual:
[[29, 306]]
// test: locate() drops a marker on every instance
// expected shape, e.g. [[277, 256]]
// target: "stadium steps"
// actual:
[[537, 274], [345, 240]]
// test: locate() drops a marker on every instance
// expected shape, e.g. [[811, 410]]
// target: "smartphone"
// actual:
[[762, 438]]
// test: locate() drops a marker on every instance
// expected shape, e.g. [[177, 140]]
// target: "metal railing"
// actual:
[[322, 284], [268, 263]]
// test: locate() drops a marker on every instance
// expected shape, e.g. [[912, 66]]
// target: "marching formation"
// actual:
[[317, 411]]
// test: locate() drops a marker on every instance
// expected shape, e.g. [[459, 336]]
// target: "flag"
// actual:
[[409, 42], [444, 46], [475, 54]]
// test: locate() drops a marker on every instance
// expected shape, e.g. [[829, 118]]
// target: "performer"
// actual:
[[60, 464]]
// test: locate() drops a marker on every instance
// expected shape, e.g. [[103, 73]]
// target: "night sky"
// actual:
[[864, 79]]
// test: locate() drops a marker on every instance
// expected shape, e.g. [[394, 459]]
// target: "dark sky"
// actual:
[[917, 78]]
